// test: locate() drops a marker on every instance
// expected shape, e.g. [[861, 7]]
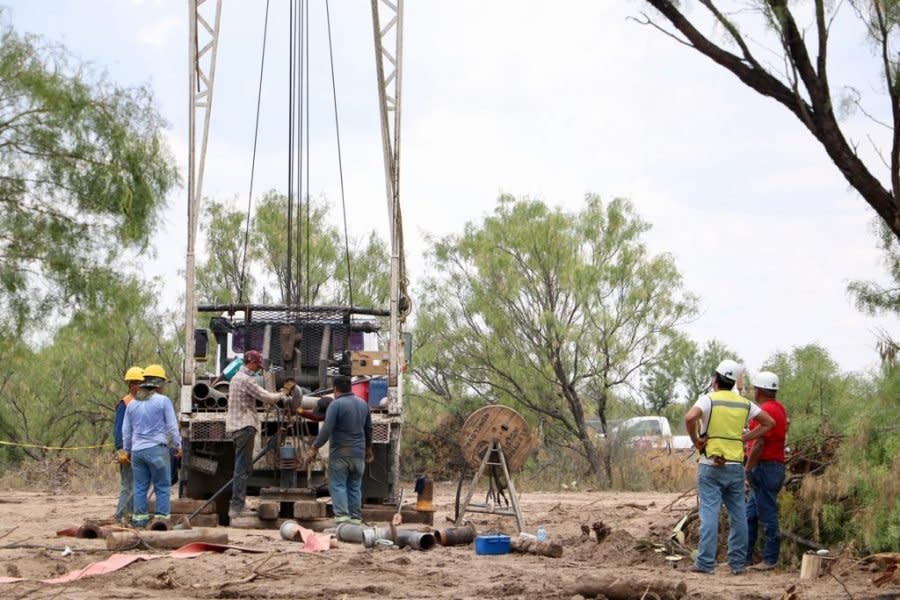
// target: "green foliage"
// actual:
[[317, 273], [219, 278], [83, 175], [547, 311], [871, 297], [700, 365], [660, 383], [64, 394]]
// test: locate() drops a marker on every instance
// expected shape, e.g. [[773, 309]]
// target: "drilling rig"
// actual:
[[306, 343]]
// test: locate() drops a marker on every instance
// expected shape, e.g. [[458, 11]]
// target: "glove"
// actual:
[[370, 454], [288, 387], [312, 454], [179, 453], [123, 457]]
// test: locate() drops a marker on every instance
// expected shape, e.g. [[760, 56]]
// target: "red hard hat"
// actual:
[[252, 356]]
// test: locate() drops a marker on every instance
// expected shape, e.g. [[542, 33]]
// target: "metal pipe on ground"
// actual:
[[159, 525], [91, 531], [367, 536], [417, 540], [455, 536]]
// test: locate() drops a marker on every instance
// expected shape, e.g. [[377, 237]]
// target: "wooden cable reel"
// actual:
[[496, 423], [494, 439]]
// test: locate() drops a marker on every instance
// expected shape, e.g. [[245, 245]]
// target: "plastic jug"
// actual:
[[541, 534]]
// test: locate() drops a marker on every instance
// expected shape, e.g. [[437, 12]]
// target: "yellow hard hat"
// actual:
[[155, 371], [134, 374]]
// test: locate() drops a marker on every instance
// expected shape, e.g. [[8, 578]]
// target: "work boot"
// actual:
[[762, 566]]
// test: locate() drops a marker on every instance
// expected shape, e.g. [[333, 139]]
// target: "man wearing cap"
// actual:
[[242, 423], [765, 472], [348, 425], [722, 415], [149, 430], [133, 378]]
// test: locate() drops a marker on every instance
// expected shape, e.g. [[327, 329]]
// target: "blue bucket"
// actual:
[[492, 544]]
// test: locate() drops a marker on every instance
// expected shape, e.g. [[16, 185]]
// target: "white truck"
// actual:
[[651, 432]]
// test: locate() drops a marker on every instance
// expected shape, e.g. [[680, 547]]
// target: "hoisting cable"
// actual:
[[290, 192], [262, 65], [308, 257], [337, 130]]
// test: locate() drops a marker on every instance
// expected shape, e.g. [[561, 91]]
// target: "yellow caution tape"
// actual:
[[39, 446]]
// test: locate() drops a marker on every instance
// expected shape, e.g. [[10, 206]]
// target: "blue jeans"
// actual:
[[151, 465], [126, 493], [345, 485], [718, 485], [243, 465], [766, 480]]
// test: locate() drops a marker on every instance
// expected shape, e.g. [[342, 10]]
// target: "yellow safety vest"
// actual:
[[727, 418]]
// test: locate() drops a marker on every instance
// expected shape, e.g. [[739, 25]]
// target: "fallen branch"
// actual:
[[681, 496], [629, 588], [632, 505], [802, 541]]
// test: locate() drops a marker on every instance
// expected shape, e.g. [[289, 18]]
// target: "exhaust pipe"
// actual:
[[417, 540], [455, 536]]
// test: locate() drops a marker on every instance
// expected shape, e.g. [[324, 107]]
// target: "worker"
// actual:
[[722, 415], [242, 423], [133, 378], [150, 430], [765, 472], [348, 425]]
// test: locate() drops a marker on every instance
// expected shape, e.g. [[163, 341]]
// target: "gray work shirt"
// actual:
[[349, 426]]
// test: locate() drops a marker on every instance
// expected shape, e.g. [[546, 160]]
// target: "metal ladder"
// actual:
[[495, 451]]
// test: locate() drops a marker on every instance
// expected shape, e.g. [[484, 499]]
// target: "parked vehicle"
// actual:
[[646, 432]]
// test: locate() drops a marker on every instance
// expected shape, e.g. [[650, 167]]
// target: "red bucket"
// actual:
[[361, 389]]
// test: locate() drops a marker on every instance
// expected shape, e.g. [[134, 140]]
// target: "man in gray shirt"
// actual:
[[348, 425]]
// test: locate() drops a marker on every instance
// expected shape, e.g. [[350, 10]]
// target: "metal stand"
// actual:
[[493, 457]]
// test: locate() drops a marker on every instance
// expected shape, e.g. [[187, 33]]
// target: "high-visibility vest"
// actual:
[[727, 418]]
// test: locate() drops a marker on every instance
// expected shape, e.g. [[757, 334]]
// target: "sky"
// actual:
[[545, 99]]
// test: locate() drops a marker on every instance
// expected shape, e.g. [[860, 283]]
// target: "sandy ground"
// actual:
[[351, 571]]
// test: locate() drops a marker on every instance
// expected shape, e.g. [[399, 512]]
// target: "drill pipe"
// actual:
[[208, 397], [349, 532], [455, 536], [417, 540]]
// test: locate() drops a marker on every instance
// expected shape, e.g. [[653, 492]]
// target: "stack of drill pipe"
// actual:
[[208, 397], [126, 540]]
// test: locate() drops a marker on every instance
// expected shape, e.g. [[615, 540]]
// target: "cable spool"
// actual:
[[496, 423]]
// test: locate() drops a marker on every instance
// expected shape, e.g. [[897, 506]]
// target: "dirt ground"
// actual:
[[351, 571]]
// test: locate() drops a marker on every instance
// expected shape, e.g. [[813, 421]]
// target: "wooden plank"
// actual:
[[373, 513], [268, 511], [254, 523], [200, 520], [309, 509], [273, 494], [184, 506]]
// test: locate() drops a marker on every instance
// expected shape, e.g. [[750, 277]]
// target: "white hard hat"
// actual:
[[766, 380], [728, 369]]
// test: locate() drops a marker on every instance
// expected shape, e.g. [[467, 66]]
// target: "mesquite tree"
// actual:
[[803, 86]]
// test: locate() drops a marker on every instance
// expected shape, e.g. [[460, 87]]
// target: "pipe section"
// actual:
[[367, 536], [159, 525], [90, 531], [417, 540], [455, 536], [209, 397], [290, 531]]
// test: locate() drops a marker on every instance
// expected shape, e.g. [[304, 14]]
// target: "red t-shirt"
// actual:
[[774, 446]]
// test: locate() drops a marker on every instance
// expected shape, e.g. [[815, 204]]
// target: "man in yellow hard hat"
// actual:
[[149, 430], [133, 378]]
